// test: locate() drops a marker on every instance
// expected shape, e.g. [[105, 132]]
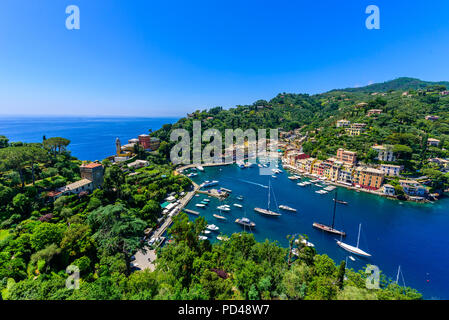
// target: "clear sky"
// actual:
[[166, 58]]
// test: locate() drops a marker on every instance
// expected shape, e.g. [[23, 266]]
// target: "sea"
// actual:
[[91, 138], [410, 235]]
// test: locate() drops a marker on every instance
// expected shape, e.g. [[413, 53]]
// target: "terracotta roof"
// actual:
[[91, 165]]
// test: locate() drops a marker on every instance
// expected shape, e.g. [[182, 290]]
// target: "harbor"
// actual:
[[393, 232]]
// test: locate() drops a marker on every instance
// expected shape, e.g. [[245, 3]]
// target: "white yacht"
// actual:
[[212, 227]]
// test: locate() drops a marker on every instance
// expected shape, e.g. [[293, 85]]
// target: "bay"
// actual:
[[412, 235]]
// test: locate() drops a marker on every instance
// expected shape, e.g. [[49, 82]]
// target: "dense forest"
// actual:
[[99, 232]]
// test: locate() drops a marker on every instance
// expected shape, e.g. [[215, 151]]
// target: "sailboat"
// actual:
[[268, 212], [331, 228], [355, 249]]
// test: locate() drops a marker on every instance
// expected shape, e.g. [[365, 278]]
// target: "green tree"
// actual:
[[116, 231], [45, 234]]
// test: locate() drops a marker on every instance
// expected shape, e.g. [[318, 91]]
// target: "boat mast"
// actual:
[[397, 276], [335, 206], [269, 191], [358, 237]]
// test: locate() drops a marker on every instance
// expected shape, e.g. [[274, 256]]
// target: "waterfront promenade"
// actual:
[[296, 170], [144, 259]]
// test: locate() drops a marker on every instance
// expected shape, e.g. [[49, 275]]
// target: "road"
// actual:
[[145, 258]]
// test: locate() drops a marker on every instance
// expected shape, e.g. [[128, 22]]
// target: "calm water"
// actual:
[[92, 138], [414, 236]]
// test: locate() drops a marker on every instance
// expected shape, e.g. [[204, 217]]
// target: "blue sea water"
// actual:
[[414, 236], [92, 138]]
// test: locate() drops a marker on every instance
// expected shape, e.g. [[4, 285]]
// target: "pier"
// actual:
[[215, 193]]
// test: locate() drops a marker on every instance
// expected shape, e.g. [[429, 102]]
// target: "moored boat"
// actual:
[[212, 227], [330, 228], [245, 222], [237, 205], [208, 183], [219, 217], [287, 208], [341, 202], [268, 212], [356, 250], [200, 205], [305, 242]]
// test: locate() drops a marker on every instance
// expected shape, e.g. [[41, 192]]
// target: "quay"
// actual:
[[145, 258], [215, 193]]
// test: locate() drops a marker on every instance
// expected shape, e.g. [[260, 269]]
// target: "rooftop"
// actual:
[[91, 165], [75, 185]]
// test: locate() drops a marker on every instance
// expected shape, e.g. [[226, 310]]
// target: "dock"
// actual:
[[192, 212], [215, 193]]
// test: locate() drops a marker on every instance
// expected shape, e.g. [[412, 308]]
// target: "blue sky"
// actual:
[[166, 58]]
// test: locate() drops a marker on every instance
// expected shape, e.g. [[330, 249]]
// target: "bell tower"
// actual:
[[118, 146]]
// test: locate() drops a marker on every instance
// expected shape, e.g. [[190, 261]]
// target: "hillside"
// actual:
[[402, 84], [403, 123]]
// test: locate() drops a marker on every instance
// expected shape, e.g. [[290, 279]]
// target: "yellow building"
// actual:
[[309, 164], [354, 131]]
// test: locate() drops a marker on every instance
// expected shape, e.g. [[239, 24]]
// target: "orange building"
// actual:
[[345, 156], [368, 178], [149, 143]]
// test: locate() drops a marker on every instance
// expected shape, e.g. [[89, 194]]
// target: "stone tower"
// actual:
[[118, 146]]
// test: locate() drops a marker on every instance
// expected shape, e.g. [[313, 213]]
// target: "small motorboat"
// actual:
[[305, 242], [245, 222], [237, 205], [212, 227], [287, 208], [200, 205], [219, 217]]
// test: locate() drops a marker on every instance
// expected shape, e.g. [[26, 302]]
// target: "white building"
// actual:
[[384, 153], [343, 123], [138, 164], [390, 170], [388, 190], [345, 175], [433, 142]]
